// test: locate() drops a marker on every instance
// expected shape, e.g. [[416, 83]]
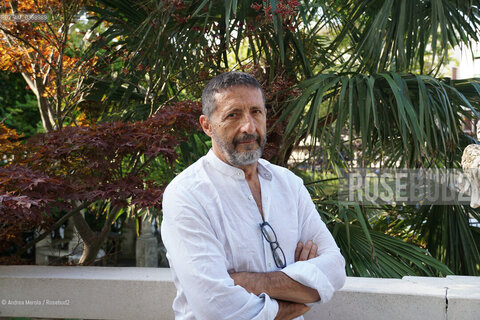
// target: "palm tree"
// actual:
[[352, 77]]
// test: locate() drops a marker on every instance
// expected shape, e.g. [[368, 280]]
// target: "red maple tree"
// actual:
[[72, 168]]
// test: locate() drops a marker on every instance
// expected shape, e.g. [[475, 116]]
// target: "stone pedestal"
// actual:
[[147, 247], [42, 251], [75, 245], [129, 237], [471, 168]]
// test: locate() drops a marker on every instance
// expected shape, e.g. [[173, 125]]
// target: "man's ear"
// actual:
[[206, 125]]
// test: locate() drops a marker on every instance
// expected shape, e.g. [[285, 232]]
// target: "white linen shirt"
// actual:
[[211, 227]]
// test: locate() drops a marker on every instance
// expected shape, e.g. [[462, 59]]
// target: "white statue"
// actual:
[[471, 167]]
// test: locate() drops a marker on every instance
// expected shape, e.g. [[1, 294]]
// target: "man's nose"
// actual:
[[248, 124]]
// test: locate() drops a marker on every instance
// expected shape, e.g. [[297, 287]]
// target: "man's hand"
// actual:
[[251, 281], [278, 285], [290, 310], [306, 252]]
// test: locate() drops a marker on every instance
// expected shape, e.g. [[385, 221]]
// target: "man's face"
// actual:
[[238, 125]]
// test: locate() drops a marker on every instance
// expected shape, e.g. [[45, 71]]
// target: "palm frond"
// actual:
[[420, 114]]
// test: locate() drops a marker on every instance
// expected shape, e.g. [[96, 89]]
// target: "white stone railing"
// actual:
[[147, 293]]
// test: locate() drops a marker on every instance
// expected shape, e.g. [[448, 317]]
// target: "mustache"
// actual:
[[246, 137]]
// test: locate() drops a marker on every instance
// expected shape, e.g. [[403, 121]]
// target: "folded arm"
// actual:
[[277, 284], [319, 268], [326, 272]]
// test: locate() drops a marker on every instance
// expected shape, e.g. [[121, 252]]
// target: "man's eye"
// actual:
[[231, 115]]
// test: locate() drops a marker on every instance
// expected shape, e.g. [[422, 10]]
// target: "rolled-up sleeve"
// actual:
[[199, 263], [325, 273]]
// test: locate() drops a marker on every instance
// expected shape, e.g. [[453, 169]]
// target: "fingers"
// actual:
[[313, 251], [298, 251], [290, 310], [305, 308], [306, 252]]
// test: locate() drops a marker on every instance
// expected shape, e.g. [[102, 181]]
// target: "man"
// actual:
[[243, 237]]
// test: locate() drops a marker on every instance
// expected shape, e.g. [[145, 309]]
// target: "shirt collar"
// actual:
[[235, 172]]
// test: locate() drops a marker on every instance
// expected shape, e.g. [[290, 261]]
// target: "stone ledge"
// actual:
[[86, 292], [147, 293]]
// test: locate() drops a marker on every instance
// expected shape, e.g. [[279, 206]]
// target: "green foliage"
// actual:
[[340, 73], [396, 118], [356, 81], [394, 35], [18, 106], [380, 255], [375, 241]]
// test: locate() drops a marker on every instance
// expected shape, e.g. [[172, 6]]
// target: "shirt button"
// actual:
[[239, 174], [250, 197]]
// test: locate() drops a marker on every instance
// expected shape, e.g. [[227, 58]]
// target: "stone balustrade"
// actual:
[[147, 293]]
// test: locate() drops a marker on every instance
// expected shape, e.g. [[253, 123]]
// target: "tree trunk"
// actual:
[[46, 233], [91, 249], [48, 119], [46, 115], [92, 241], [37, 87]]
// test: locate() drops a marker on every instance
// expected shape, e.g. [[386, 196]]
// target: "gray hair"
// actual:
[[222, 82]]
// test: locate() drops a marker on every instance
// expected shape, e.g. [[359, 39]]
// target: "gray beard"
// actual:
[[240, 159], [237, 158]]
